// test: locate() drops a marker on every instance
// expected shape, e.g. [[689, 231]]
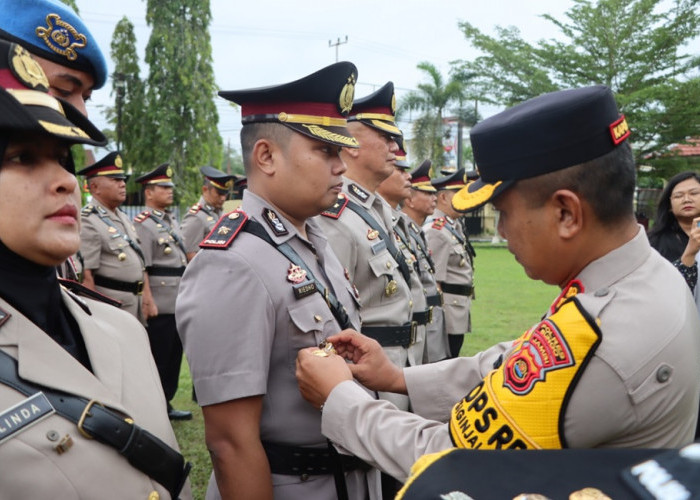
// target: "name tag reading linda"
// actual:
[[23, 415]]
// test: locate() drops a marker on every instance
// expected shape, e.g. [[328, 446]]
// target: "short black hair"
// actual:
[[607, 183], [253, 132]]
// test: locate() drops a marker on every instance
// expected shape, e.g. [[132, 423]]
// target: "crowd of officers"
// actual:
[[335, 238]]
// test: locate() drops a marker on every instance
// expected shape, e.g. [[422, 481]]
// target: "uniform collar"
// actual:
[[276, 225]]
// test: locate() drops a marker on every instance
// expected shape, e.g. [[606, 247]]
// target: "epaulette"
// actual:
[[438, 223], [142, 216], [358, 192], [195, 208], [224, 232], [337, 209], [77, 290], [87, 210]]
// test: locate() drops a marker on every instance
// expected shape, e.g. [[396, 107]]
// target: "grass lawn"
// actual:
[[507, 303]]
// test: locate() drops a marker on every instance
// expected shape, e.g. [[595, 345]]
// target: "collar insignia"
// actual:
[[274, 222], [358, 192]]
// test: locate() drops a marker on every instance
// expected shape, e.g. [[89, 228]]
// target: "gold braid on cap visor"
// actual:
[[464, 200]]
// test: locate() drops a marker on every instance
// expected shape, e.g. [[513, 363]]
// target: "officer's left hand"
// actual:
[[317, 376]]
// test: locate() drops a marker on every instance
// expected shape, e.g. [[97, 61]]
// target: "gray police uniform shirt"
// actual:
[[197, 223], [124, 377], [452, 265], [437, 345], [101, 247], [242, 325], [159, 238], [371, 268], [639, 390], [416, 351]]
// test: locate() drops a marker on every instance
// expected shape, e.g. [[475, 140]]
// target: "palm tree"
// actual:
[[433, 100]]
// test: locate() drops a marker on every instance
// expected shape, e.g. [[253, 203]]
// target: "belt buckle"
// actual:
[[414, 328], [139, 288], [430, 314], [86, 413]]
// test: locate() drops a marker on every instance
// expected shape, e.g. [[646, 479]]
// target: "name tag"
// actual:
[[378, 246], [23, 415], [304, 289]]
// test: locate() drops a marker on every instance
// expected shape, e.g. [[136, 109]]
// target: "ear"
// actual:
[[263, 156], [568, 213], [351, 152]]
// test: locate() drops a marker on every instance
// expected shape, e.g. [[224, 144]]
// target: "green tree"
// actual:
[[72, 5], [181, 124], [633, 46], [433, 99]]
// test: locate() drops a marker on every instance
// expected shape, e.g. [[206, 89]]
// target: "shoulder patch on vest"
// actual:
[[337, 209], [77, 290], [142, 216], [358, 192], [438, 223], [224, 232]]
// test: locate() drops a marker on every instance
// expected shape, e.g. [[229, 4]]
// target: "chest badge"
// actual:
[[296, 274], [372, 234]]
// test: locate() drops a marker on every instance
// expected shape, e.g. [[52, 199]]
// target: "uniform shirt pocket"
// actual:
[[311, 322], [383, 264]]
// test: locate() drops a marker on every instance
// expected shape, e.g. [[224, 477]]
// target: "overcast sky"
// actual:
[[264, 42]]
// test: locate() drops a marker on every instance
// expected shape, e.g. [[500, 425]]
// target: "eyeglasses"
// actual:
[[695, 193]]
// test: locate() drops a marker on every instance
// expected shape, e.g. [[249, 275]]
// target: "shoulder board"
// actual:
[[358, 192], [224, 232], [87, 210], [142, 216], [438, 223], [414, 227], [79, 290], [337, 209], [195, 208]]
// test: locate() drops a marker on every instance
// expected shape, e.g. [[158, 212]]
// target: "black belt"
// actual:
[[143, 450], [465, 290], [435, 300], [298, 460], [423, 317], [135, 287], [392, 336], [165, 271]]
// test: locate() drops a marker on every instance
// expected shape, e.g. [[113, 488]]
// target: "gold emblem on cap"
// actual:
[[391, 288], [57, 39], [347, 95], [25, 67], [169, 172], [118, 161]]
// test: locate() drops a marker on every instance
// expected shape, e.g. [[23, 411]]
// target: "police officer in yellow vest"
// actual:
[[81, 408], [164, 255], [613, 364]]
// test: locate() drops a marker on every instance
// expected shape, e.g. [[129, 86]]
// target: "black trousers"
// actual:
[[167, 351]]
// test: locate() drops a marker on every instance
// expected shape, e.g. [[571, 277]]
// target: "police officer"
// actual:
[[420, 204], [395, 189], [202, 216], [113, 260], [266, 284], [60, 42], [454, 269], [81, 406], [613, 364], [164, 255], [359, 228]]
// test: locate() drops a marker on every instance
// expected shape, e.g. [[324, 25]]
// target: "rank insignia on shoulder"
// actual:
[[142, 216], [24, 414], [222, 234], [439, 223], [337, 208], [304, 289], [194, 209], [274, 222], [87, 210], [358, 192]]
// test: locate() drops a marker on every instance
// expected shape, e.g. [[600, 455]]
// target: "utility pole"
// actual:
[[336, 44]]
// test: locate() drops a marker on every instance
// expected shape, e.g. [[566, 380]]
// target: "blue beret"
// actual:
[[50, 29]]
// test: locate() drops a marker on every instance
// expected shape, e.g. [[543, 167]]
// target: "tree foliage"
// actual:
[[633, 46], [433, 99], [72, 5], [181, 124]]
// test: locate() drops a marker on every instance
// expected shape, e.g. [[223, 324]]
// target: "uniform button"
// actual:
[[663, 373], [410, 303], [153, 495], [388, 264], [52, 435], [601, 292], [162, 283], [304, 477], [317, 318]]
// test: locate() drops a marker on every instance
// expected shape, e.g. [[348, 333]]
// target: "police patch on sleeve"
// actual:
[[23, 415]]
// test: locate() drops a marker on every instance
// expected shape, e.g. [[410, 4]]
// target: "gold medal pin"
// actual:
[[324, 350]]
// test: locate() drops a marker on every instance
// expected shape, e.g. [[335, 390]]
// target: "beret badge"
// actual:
[[61, 37]]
